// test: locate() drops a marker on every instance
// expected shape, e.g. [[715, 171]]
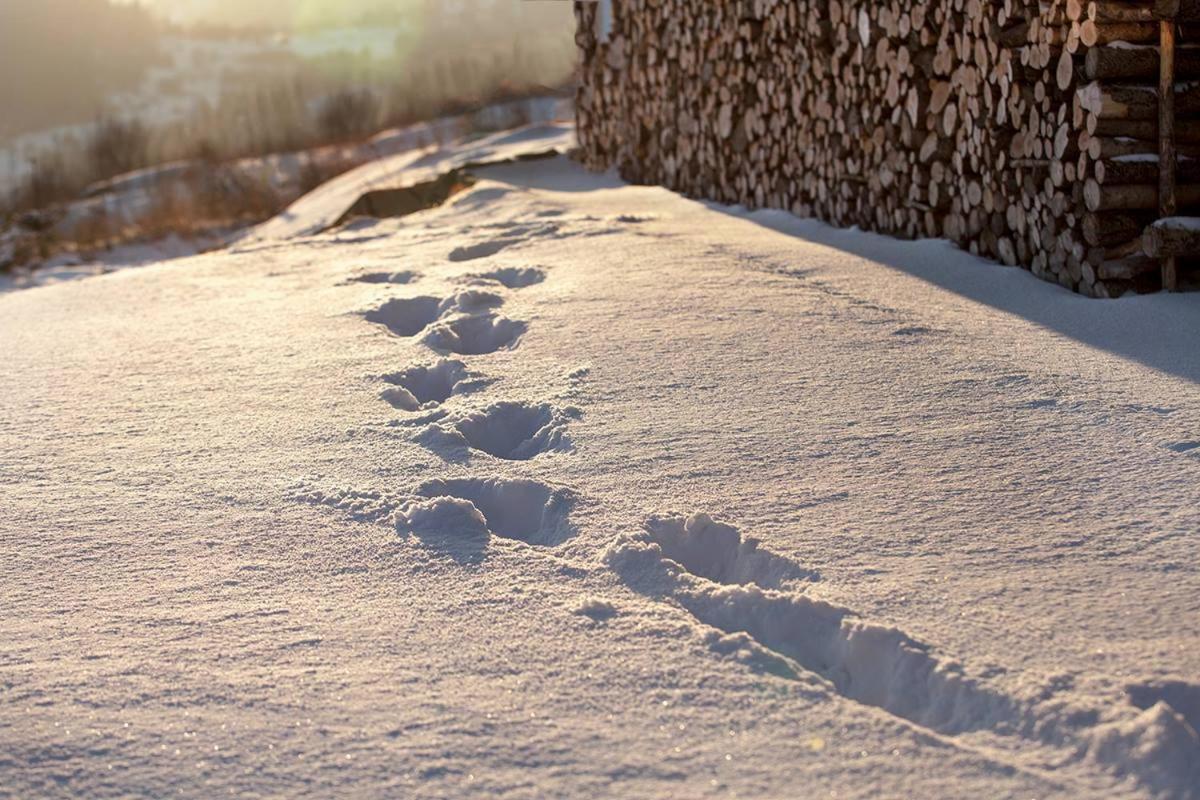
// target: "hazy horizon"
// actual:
[[59, 75], [283, 15]]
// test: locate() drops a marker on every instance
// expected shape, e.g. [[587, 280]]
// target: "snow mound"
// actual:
[[406, 316], [716, 551], [524, 510], [596, 608], [424, 386], [1181, 696], [479, 250], [475, 335], [471, 301], [442, 516], [1158, 747], [365, 506]]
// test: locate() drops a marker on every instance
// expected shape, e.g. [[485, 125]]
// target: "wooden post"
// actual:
[[1166, 141]]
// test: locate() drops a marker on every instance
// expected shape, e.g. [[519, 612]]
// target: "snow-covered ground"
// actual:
[[575, 489], [73, 267]]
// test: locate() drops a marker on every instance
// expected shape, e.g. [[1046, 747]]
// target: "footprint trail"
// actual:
[[708, 569]]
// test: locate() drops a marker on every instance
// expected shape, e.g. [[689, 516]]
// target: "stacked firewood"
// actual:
[[1024, 130]]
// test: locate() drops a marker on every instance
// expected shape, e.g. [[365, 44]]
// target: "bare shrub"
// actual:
[[451, 63], [349, 113], [116, 146], [49, 181]]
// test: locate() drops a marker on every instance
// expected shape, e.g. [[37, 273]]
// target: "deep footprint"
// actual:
[[718, 552], [872, 664], [524, 510], [514, 277], [406, 316], [885, 668], [515, 431], [475, 336], [421, 387]]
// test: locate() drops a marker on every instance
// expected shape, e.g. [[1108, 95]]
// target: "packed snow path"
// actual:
[[575, 489]]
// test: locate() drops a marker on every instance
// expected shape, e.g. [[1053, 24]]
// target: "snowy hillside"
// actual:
[[569, 488]]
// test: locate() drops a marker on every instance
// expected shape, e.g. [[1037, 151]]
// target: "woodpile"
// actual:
[[1027, 131]]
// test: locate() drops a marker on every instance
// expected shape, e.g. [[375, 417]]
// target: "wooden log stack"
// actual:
[[1024, 130]]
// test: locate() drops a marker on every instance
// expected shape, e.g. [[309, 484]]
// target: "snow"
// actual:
[[71, 266], [419, 162], [646, 498], [1179, 223]]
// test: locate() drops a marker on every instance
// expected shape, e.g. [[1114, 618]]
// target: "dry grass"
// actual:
[[308, 111], [458, 62], [211, 195]]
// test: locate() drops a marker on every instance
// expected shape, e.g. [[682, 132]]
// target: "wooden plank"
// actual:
[[1166, 141]]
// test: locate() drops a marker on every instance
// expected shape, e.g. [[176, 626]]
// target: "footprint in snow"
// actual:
[[476, 335], [718, 552], [408, 316], [506, 430], [426, 386], [513, 277], [726, 583], [707, 568], [476, 508]]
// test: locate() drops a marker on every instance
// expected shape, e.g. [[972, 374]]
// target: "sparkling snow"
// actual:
[[569, 488]]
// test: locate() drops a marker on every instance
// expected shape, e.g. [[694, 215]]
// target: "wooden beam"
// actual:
[[1166, 141]]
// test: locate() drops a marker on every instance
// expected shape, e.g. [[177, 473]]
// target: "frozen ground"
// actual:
[[574, 489]]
